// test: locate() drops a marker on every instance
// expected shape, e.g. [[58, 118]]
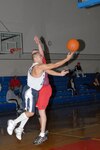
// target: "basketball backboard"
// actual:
[[10, 40]]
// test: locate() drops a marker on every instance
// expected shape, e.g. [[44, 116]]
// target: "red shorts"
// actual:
[[44, 96]]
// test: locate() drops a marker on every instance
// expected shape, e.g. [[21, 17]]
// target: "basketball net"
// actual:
[[12, 50]]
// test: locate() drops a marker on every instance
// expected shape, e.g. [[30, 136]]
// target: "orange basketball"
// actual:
[[72, 45]]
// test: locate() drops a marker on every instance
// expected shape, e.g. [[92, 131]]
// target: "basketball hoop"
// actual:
[[12, 50]]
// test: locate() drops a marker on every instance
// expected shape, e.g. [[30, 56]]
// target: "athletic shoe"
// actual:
[[40, 140], [18, 132], [11, 126], [46, 132], [35, 140]]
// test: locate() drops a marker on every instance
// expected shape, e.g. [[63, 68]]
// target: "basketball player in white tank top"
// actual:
[[34, 84]]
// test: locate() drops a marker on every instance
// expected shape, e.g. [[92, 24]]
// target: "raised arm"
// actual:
[[37, 41], [50, 66]]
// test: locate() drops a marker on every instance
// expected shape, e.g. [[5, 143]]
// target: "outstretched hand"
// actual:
[[64, 72], [69, 55]]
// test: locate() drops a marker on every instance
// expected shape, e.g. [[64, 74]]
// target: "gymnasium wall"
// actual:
[[10, 67], [57, 21]]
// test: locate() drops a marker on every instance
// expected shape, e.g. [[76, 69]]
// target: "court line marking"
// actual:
[[75, 136], [88, 126], [67, 135], [96, 139]]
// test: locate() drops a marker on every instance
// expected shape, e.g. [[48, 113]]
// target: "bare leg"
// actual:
[[43, 135], [43, 121]]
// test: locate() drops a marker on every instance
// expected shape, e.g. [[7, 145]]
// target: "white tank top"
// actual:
[[33, 82]]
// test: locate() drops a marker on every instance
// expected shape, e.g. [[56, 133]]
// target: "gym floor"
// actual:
[[66, 125]]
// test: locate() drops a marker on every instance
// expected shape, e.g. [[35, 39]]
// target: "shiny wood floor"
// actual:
[[66, 125]]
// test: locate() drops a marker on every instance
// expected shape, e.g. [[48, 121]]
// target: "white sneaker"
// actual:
[[18, 132], [11, 126]]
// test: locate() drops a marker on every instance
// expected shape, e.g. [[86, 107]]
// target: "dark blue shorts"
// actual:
[[30, 99]]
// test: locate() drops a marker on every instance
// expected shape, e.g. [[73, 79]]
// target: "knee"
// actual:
[[29, 114], [42, 113]]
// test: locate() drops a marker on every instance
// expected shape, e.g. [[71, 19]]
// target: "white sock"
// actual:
[[20, 118], [42, 134], [23, 123]]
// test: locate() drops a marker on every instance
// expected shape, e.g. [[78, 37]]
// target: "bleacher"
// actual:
[[64, 97], [61, 95], [5, 107]]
